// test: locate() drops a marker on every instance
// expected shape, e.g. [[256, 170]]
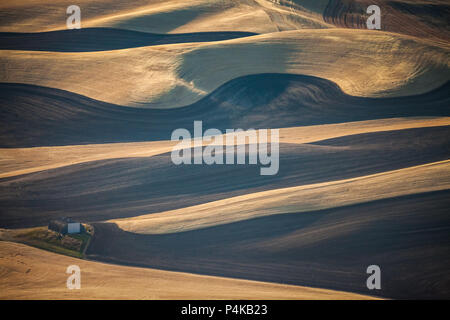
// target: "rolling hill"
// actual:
[[86, 118]]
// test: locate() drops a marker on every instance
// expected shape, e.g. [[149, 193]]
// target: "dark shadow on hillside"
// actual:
[[117, 188], [39, 116], [102, 39], [408, 237]]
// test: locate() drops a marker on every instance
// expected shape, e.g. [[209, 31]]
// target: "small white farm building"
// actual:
[[65, 226]]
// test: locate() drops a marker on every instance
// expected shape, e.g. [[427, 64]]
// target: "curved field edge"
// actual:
[[425, 19], [30, 273], [129, 187], [103, 39], [19, 161], [412, 180], [34, 116], [172, 16], [329, 248], [168, 76]]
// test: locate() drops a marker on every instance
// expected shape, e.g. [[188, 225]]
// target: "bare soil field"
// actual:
[[169, 76], [19, 161], [327, 248], [29, 273], [37, 116], [87, 40], [423, 18], [136, 186], [86, 118]]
